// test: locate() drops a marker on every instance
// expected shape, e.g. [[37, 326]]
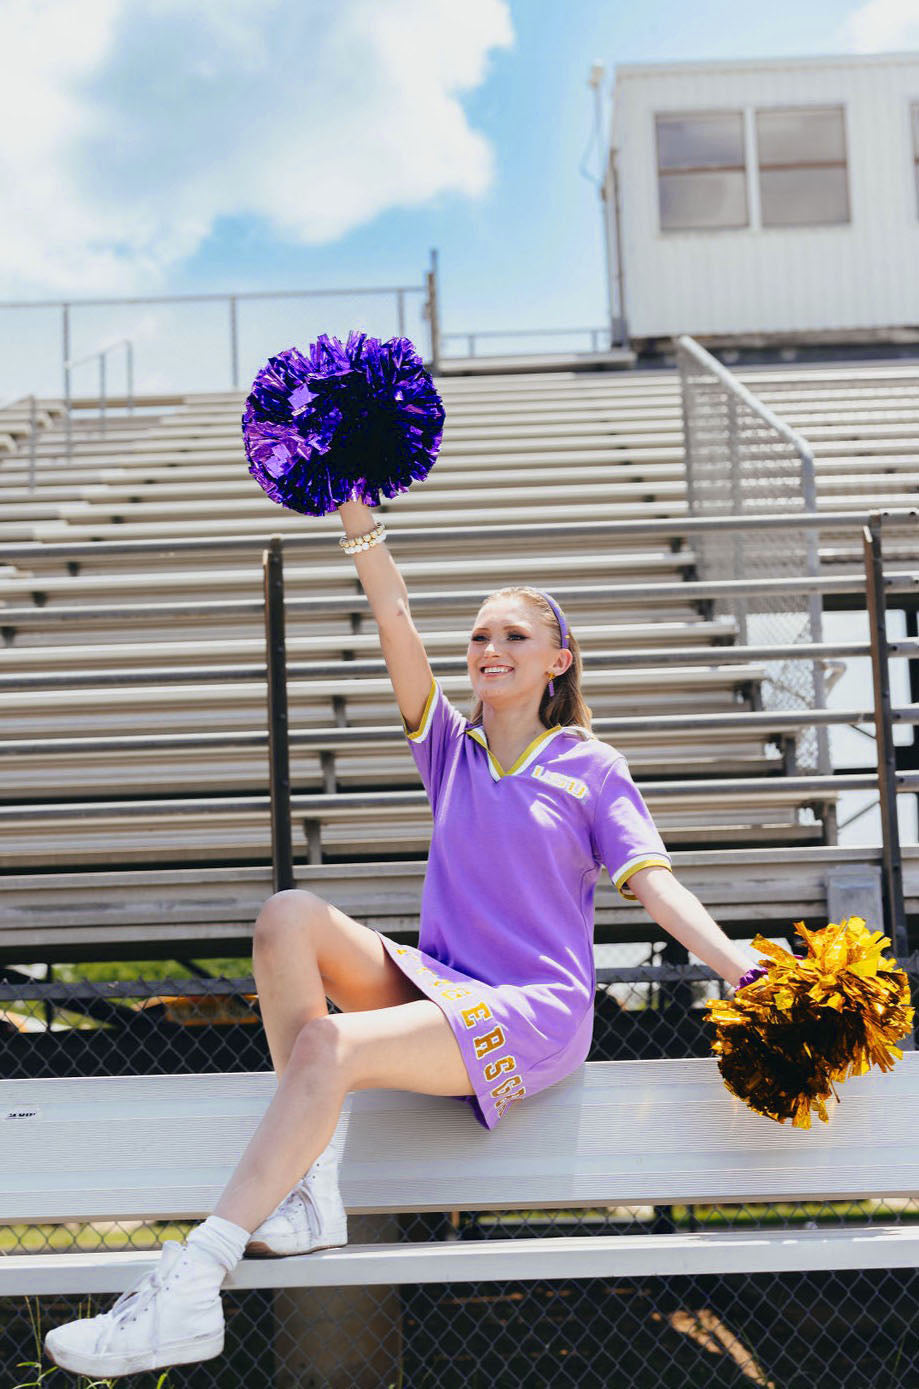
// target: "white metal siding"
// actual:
[[864, 274]]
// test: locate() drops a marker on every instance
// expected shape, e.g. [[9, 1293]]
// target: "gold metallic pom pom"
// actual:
[[784, 1040]]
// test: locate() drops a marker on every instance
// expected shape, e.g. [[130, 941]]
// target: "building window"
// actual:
[[914, 112], [701, 170], [802, 166]]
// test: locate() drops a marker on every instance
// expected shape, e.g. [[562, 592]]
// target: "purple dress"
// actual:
[[506, 939]]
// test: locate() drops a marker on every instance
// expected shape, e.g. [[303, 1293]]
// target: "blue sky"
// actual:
[[169, 146]]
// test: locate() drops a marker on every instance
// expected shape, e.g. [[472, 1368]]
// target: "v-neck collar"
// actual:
[[525, 758]]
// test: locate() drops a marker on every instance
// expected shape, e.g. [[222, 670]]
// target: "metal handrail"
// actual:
[[336, 604], [471, 338], [737, 391], [430, 309], [319, 539], [736, 387], [905, 648], [887, 778], [813, 784], [22, 989], [100, 357], [33, 428], [345, 739]]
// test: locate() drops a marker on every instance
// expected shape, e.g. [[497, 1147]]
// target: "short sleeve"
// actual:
[[436, 739], [625, 837]]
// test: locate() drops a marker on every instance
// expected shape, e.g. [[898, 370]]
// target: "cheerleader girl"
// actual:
[[496, 1001]]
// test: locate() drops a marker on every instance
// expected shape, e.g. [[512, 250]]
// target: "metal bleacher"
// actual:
[[134, 811]]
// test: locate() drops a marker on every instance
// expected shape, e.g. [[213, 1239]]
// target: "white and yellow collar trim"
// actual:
[[525, 758]]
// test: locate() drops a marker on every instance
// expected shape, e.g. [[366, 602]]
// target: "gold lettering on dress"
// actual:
[[494, 1068], [507, 1086], [489, 1041], [571, 784], [479, 1012]]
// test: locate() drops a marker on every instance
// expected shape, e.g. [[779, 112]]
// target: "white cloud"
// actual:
[[882, 26], [132, 126]]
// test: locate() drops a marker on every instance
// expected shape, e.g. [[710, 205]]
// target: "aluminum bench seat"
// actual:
[[614, 1134]]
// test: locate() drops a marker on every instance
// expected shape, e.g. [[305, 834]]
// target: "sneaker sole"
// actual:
[[258, 1249], [109, 1366]]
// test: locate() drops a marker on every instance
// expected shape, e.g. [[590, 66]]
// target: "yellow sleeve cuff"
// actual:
[[633, 865], [421, 732]]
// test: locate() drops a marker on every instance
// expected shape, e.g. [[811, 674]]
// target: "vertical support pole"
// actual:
[[738, 568], [433, 309], [234, 343], [895, 924], [400, 312], [912, 666], [102, 391], [815, 610], [65, 350], [278, 734], [33, 429], [129, 367]]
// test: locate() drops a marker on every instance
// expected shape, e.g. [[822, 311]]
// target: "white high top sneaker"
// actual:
[[172, 1316], [310, 1217]]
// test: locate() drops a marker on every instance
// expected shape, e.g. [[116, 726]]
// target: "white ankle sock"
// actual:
[[221, 1240]]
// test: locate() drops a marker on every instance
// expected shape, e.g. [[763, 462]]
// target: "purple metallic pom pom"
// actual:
[[353, 421]]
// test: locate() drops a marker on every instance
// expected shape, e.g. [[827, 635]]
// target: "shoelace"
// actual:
[[304, 1195], [134, 1301]]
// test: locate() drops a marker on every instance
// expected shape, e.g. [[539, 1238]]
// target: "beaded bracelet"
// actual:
[[351, 544]]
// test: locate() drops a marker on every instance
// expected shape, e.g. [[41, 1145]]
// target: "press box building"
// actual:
[[765, 200]]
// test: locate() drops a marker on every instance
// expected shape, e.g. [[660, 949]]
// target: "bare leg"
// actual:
[[305, 950], [330, 1056]]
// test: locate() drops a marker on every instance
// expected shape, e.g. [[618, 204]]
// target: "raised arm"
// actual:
[[406, 658]]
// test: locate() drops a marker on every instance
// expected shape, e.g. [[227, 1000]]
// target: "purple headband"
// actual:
[[562, 627]]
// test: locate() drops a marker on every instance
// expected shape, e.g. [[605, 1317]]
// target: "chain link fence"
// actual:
[[742, 460], [788, 1331]]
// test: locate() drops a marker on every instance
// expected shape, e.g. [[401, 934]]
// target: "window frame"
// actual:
[[742, 168], [843, 163]]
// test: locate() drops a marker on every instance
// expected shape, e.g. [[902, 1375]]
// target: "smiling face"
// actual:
[[511, 652]]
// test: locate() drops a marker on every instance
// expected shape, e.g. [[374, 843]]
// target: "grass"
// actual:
[[107, 971], [80, 1238], [41, 1374]]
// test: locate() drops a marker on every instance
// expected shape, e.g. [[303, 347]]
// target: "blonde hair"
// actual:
[[567, 705]]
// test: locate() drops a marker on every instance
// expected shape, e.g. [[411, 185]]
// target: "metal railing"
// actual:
[[32, 401], [888, 780], [742, 459], [232, 300], [600, 338], [99, 357]]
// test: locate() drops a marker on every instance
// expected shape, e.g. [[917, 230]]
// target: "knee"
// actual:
[[320, 1049], [291, 912]]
